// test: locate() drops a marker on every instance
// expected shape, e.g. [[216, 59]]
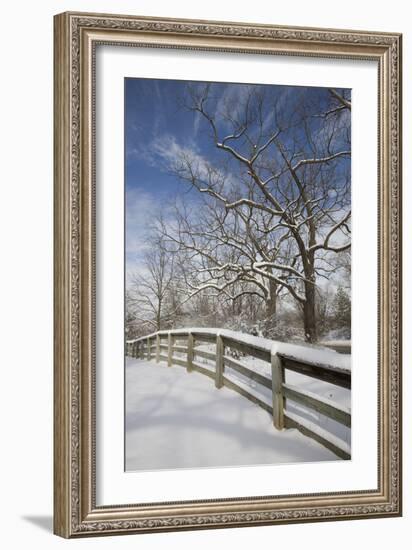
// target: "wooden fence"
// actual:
[[164, 345]]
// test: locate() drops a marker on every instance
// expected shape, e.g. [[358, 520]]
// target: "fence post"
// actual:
[[157, 348], [220, 350], [277, 390], [141, 349], [149, 354], [135, 348], [169, 349], [190, 353]]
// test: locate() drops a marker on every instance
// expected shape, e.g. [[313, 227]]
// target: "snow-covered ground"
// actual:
[[339, 396], [176, 419]]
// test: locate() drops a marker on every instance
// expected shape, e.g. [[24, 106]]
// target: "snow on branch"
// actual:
[[320, 160]]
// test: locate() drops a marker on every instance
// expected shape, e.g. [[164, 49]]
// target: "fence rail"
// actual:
[[163, 346]]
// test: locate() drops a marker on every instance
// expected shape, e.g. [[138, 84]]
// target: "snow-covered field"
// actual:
[[339, 396], [176, 419]]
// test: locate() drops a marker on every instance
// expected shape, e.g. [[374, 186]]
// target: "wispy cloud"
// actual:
[[333, 130], [141, 208], [233, 99], [167, 149], [168, 153], [197, 119]]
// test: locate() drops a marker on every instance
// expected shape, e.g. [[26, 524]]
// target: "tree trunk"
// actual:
[[158, 315], [309, 313], [272, 299]]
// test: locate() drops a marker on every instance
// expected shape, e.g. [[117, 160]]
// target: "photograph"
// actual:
[[237, 275]]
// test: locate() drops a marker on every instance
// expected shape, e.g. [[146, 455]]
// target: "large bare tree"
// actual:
[[274, 196]]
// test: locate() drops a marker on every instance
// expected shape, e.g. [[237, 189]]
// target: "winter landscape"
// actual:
[[237, 275]]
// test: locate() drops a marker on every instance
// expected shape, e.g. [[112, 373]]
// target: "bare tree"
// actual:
[[149, 290], [275, 196]]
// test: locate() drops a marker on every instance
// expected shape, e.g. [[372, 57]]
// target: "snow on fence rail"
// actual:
[[324, 365]]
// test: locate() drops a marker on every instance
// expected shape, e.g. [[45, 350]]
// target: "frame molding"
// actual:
[[75, 38]]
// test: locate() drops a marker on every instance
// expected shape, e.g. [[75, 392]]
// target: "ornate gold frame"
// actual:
[[75, 511]]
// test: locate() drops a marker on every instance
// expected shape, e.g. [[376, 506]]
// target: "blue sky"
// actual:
[[158, 127]]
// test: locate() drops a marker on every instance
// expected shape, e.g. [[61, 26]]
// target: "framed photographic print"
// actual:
[[227, 274]]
